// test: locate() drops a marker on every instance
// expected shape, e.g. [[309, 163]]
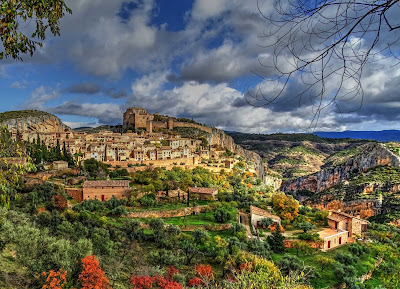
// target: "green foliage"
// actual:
[[15, 14], [222, 215], [95, 169], [119, 173], [276, 241], [290, 263], [345, 258], [305, 226]]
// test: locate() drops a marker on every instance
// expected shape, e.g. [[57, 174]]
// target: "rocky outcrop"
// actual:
[[220, 138], [372, 155], [32, 121]]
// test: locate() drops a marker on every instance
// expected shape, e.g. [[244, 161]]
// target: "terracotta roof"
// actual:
[[201, 190], [60, 162], [257, 211], [349, 216], [329, 232], [337, 218], [108, 183]]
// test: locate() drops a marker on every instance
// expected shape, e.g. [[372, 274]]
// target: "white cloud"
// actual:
[[18, 85], [203, 9], [39, 97]]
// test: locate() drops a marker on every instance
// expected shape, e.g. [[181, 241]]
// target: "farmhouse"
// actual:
[[60, 165], [343, 228], [257, 214], [201, 193], [104, 190]]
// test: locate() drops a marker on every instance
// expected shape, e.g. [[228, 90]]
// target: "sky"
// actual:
[[185, 58]]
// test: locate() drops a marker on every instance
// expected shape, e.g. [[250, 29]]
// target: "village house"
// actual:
[[201, 193], [104, 190], [60, 165], [343, 229], [257, 214], [172, 195]]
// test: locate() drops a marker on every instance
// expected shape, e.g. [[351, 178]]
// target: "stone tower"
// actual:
[[136, 117]]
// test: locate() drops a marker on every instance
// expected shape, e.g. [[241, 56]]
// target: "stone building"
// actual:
[[343, 229], [201, 193], [257, 214], [60, 165], [104, 190], [136, 117]]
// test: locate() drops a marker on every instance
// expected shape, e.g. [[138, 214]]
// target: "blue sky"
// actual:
[[179, 57]]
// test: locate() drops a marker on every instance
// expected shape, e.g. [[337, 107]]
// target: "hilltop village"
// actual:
[[147, 140]]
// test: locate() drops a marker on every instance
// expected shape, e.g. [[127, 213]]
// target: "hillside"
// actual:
[[295, 155], [32, 121]]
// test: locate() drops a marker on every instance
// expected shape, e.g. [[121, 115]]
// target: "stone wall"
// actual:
[[193, 125], [169, 213], [156, 163], [75, 193]]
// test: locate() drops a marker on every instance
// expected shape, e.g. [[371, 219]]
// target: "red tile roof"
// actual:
[[108, 183], [257, 211], [201, 190]]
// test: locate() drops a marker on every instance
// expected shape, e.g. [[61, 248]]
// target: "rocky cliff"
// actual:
[[220, 138], [32, 121], [372, 155]]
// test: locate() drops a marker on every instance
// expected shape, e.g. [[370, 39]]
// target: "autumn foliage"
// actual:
[[204, 276], [160, 282], [55, 279], [92, 276], [285, 206]]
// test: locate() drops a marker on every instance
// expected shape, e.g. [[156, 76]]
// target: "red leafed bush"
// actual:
[[195, 282], [159, 282], [55, 280], [92, 276], [205, 276]]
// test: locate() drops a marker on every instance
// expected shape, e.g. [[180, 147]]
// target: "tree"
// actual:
[[16, 14], [305, 226], [285, 206], [321, 42], [324, 261], [266, 222], [276, 241], [55, 279], [302, 246], [222, 215], [92, 276], [204, 276]]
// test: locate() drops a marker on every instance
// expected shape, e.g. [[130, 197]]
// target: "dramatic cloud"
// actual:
[[201, 69], [86, 88], [108, 113]]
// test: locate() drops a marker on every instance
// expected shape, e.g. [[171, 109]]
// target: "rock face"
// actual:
[[372, 155], [33, 121], [220, 138]]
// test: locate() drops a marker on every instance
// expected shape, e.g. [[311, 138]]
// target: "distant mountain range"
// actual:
[[383, 135]]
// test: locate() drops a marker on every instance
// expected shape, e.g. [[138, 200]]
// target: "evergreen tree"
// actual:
[[276, 240]]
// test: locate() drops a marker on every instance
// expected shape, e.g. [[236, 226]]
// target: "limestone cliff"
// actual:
[[372, 155], [220, 138], [32, 121]]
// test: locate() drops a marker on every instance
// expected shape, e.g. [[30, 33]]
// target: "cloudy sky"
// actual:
[[185, 58]]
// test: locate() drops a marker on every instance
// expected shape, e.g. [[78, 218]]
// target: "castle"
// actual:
[[136, 117]]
